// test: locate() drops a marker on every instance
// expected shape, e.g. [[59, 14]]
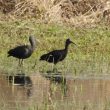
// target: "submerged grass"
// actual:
[[91, 55]]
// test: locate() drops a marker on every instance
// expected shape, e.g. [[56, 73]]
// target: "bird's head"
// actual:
[[32, 39], [68, 41]]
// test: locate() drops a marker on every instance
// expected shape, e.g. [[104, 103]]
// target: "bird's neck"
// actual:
[[33, 45], [66, 47]]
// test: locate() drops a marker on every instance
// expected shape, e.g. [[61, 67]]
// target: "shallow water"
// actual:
[[60, 92]]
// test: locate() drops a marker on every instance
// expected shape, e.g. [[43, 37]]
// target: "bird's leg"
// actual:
[[22, 62], [55, 69], [53, 66], [20, 69], [19, 62], [19, 65]]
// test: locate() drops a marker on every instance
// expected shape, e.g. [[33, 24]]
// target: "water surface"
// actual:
[[59, 92]]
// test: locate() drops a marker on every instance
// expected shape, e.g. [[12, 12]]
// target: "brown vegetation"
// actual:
[[74, 12]]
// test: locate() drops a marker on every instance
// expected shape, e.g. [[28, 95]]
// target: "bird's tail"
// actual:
[[43, 57], [9, 53]]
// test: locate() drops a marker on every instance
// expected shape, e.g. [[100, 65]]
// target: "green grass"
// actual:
[[90, 57]]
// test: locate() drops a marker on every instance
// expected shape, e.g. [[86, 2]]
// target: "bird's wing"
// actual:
[[18, 50], [56, 55]]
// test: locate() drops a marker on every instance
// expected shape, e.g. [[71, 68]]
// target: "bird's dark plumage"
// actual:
[[23, 51], [57, 55]]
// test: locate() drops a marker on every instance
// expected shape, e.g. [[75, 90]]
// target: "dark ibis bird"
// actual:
[[23, 51], [56, 56]]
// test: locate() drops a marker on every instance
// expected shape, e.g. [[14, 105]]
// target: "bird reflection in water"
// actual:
[[21, 80], [57, 79]]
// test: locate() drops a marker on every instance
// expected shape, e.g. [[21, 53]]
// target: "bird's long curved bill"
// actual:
[[74, 43]]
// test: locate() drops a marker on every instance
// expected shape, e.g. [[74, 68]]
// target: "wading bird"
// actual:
[[57, 55], [23, 51]]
